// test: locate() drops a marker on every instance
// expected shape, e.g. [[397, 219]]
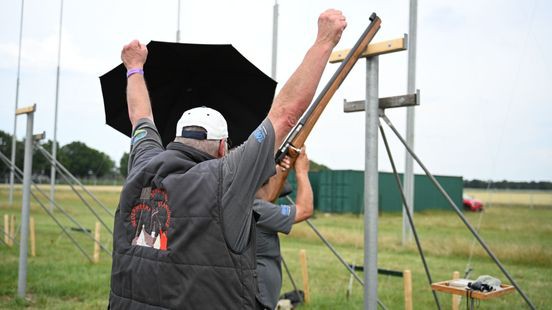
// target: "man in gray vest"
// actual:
[[274, 219], [183, 235]]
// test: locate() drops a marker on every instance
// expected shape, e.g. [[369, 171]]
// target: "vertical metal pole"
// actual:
[[411, 88], [274, 39], [25, 207], [371, 186], [14, 137], [54, 144], [178, 23]]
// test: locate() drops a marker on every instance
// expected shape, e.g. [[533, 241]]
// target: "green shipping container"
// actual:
[[426, 195], [342, 191]]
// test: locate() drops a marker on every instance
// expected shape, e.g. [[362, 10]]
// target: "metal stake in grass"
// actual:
[[96, 256], [33, 240], [7, 229]]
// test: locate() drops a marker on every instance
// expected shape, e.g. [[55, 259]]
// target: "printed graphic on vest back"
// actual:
[[150, 219]]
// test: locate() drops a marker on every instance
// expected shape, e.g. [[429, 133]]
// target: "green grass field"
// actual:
[[519, 233]]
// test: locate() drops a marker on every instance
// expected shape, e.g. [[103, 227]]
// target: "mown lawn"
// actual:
[[60, 277]]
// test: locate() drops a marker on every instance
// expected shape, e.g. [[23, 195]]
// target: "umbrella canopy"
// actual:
[[182, 76]]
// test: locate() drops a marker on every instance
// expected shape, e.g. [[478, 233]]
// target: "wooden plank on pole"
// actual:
[[96, 257], [7, 229], [384, 103], [39, 136], [374, 49], [25, 110], [455, 298], [33, 243], [305, 274], [12, 230], [407, 281]]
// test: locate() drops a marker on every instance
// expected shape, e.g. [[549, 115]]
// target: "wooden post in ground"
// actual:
[[96, 257], [455, 298], [12, 230], [32, 229], [305, 274], [407, 282], [7, 229]]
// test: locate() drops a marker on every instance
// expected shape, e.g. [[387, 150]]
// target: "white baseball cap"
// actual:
[[209, 119]]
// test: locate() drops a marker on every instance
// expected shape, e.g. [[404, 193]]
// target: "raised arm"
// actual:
[[134, 56], [304, 202], [297, 93]]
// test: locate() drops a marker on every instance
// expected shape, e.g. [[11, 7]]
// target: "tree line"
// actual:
[[86, 162], [81, 160], [542, 185]]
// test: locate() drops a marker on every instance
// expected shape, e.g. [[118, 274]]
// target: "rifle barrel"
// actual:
[[299, 133]]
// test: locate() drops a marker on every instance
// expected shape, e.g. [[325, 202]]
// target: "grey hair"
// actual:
[[207, 146]]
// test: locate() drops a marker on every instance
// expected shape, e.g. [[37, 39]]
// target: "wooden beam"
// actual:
[[96, 256], [7, 229], [384, 103], [12, 230], [33, 240], [375, 49], [25, 110], [407, 283]]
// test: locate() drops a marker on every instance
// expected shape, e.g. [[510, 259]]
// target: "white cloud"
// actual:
[[40, 54]]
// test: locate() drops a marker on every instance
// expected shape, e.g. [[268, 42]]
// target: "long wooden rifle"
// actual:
[[296, 138]]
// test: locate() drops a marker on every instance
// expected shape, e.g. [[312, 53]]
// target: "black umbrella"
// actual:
[[184, 76]]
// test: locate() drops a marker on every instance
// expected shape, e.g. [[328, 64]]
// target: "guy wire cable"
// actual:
[[67, 215], [63, 174], [2, 239], [7, 234], [18, 176], [459, 213], [358, 227], [332, 249], [291, 279], [68, 173], [410, 220]]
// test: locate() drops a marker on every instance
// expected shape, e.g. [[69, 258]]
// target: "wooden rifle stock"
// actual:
[[298, 135]]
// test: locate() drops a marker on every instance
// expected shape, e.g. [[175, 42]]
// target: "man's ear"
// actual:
[[222, 148]]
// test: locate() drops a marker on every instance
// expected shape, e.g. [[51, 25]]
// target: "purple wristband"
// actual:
[[135, 70]]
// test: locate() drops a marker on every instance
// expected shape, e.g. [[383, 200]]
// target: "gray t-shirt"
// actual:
[[272, 219], [245, 169]]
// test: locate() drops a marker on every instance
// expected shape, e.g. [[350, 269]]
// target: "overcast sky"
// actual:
[[483, 70]]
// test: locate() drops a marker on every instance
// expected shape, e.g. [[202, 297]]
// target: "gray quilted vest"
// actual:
[[169, 248]]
